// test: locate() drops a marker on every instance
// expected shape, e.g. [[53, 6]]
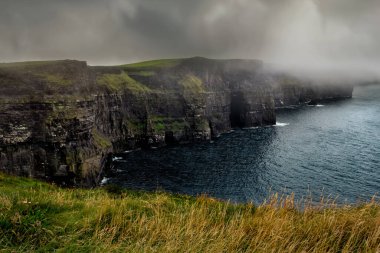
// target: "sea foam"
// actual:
[[279, 124]]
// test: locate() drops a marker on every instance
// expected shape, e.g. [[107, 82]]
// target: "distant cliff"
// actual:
[[60, 120]]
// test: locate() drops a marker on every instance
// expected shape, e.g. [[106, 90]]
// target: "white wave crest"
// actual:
[[104, 181], [116, 158], [279, 124]]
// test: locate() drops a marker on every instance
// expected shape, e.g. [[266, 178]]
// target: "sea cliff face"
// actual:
[[60, 120]]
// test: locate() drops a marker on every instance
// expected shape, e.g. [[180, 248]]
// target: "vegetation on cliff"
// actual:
[[121, 81], [154, 64], [45, 81], [36, 216], [192, 84]]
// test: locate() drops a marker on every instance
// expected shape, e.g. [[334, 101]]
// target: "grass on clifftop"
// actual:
[[36, 216], [28, 64], [154, 64]]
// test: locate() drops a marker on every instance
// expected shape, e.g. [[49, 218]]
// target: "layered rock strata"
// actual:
[[60, 120]]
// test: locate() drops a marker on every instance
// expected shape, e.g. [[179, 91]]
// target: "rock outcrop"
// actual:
[[60, 120]]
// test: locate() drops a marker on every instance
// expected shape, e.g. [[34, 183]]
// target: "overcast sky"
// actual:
[[315, 33]]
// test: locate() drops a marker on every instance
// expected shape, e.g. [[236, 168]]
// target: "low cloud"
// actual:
[[320, 36]]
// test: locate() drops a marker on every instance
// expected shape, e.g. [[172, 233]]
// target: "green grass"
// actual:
[[99, 140], [155, 64], [28, 64], [192, 84], [36, 216], [144, 73], [160, 124], [121, 81]]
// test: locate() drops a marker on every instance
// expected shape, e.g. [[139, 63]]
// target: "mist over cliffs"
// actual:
[[335, 38], [62, 119]]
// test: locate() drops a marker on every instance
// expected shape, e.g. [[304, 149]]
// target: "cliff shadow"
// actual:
[[237, 110]]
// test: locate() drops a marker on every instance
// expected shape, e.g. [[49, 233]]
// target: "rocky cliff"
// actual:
[[60, 120]]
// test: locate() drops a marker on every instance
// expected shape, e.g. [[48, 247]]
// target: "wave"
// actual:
[[116, 158], [279, 124], [104, 181]]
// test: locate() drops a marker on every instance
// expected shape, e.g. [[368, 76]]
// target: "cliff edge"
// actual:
[[60, 120]]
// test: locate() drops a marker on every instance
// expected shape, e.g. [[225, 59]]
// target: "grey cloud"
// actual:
[[294, 34]]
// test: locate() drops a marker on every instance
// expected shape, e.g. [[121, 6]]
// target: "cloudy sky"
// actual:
[[315, 33]]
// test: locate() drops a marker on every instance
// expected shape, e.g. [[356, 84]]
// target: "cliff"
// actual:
[[60, 120]]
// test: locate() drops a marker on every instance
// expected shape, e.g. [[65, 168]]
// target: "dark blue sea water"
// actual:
[[330, 149]]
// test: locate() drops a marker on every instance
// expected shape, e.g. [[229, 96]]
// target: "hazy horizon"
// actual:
[[338, 37]]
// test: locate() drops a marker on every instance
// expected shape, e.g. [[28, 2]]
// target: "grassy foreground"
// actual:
[[36, 216]]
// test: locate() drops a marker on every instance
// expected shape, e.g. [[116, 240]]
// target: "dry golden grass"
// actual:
[[36, 216]]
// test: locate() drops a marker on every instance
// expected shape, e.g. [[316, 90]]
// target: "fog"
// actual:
[[316, 37]]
